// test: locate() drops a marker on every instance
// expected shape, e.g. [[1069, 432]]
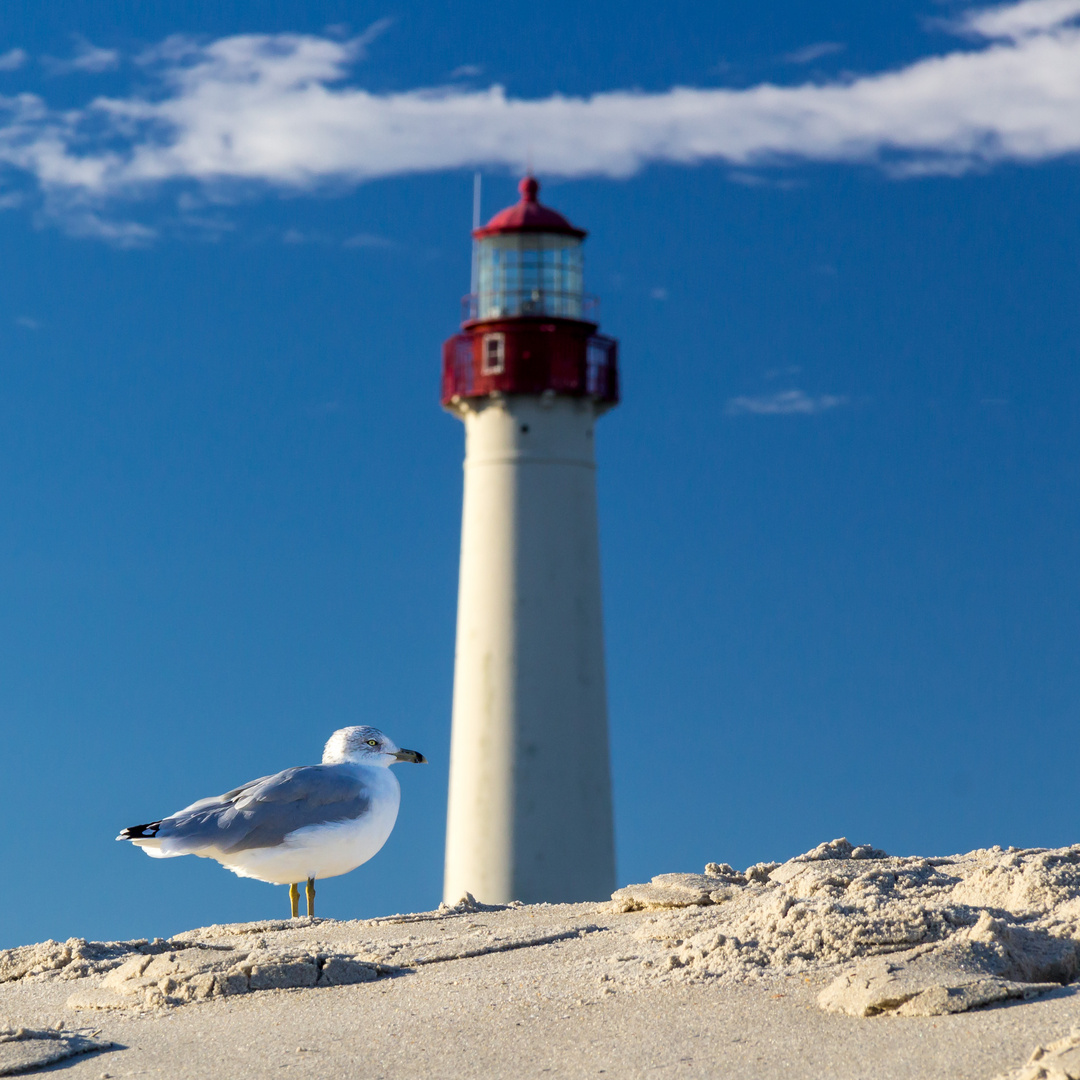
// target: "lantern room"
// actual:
[[529, 261], [529, 327]]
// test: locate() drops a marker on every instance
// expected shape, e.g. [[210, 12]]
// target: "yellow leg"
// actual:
[[294, 900], [311, 897]]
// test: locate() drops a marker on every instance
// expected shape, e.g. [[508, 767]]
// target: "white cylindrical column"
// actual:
[[530, 811]]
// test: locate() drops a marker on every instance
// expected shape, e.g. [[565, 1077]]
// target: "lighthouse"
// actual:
[[530, 810]]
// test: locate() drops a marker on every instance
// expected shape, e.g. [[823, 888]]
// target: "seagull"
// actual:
[[312, 821]]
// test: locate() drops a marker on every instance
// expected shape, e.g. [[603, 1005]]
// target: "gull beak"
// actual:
[[410, 755]]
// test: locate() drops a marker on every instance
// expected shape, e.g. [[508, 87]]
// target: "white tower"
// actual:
[[530, 814]]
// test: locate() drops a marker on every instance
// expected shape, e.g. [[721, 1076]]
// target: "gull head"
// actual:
[[366, 746]]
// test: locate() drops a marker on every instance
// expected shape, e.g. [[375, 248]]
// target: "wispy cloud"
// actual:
[[88, 58], [12, 60], [759, 180], [280, 110], [80, 221], [359, 240], [809, 53], [367, 240], [467, 71], [784, 403]]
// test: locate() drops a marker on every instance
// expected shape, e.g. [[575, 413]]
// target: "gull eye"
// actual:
[[373, 742]]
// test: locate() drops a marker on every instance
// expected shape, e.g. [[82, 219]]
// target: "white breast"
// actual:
[[322, 851]]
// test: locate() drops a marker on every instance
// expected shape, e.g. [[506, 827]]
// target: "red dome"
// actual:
[[528, 216]]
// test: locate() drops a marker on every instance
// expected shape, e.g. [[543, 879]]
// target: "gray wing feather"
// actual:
[[263, 812]]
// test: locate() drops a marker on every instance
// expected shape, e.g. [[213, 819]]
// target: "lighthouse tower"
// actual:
[[530, 813]]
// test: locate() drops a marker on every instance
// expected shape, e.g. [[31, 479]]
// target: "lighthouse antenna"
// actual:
[[476, 184]]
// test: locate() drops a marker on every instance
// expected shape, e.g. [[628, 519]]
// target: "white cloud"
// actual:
[[13, 59], [27, 323], [79, 221], [785, 403], [1017, 21], [280, 110], [88, 57], [467, 71], [809, 53]]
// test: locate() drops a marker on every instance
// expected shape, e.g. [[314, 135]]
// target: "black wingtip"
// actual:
[[140, 832]]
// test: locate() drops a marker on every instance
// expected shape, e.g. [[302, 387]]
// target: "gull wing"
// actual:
[[263, 812]]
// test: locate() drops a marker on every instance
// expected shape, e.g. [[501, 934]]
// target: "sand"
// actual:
[[843, 962]]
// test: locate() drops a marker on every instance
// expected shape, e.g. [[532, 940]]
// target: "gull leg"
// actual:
[[311, 897], [294, 900]]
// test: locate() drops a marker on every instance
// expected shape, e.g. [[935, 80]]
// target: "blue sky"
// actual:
[[839, 503]]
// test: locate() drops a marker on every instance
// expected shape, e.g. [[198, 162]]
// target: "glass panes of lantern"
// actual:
[[529, 274]]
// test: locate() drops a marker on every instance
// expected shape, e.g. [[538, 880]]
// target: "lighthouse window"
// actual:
[[493, 360], [530, 274]]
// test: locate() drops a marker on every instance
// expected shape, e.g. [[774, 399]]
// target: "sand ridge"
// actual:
[[843, 930], [957, 932]]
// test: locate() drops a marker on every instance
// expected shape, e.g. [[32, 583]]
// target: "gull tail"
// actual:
[[157, 847], [140, 832]]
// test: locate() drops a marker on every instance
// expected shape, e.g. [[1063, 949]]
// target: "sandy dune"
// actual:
[[840, 963]]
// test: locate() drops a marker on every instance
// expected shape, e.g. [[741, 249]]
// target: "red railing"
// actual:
[[602, 368], [459, 366], [515, 303]]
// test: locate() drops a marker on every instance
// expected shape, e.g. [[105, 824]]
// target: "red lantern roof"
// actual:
[[528, 216]]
